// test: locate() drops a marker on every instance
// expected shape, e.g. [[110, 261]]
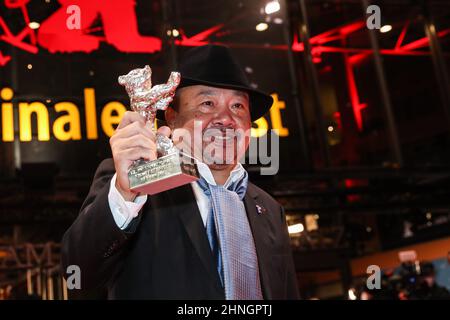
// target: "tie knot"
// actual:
[[239, 186]]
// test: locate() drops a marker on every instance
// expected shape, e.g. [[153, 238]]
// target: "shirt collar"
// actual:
[[234, 176]]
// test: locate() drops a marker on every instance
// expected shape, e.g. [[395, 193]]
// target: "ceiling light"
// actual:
[[278, 21], [272, 7], [296, 228], [34, 25], [386, 28], [262, 26]]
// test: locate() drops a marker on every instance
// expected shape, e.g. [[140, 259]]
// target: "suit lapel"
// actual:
[[259, 226], [193, 224]]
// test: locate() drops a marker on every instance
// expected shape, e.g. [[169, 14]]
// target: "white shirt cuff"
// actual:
[[123, 211]]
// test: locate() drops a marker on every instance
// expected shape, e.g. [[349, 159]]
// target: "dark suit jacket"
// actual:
[[164, 253]]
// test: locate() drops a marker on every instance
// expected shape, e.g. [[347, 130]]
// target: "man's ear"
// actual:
[[170, 115]]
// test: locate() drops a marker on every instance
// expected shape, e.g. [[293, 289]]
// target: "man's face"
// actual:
[[217, 121]]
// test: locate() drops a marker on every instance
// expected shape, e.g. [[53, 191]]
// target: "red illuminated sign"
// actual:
[[119, 26]]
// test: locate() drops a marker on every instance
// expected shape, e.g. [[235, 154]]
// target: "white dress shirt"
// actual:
[[124, 211]]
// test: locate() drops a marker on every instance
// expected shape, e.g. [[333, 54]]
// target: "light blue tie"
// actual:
[[231, 240]]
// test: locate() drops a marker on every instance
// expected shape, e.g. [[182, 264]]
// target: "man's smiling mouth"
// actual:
[[223, 138], [219, 136]]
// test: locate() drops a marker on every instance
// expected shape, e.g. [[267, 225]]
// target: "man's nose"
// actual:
[[224, 117]]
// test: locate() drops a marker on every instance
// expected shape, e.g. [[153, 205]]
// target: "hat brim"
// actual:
[[260, 103]]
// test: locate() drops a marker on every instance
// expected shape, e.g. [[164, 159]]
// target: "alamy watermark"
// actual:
[[73, 20], [73, 280], [374, 20], [226, 145], [374, 279]]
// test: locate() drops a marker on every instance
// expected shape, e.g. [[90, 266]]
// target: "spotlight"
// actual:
[[272, 7], [262, 26], [278, 21], [386, 28], [34, 25], [351, 294], [296, 228]]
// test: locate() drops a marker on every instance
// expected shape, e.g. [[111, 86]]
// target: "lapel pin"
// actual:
[[260, 209]]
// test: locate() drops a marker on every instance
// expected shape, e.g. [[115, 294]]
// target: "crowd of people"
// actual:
[[411, 281]]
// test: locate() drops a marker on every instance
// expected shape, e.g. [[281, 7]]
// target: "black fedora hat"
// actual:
[[215, 66]]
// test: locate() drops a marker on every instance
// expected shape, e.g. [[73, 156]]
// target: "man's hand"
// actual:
[[132, 140]]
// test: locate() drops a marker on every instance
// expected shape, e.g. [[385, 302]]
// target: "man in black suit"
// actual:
[[171, 245]]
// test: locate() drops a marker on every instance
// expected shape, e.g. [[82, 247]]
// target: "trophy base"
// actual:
[[164, 173]]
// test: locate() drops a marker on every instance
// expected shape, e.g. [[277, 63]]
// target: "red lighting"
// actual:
[[200, 39], [402, 35], [357, 106], [337, 119], [4, 59], [352, 183]]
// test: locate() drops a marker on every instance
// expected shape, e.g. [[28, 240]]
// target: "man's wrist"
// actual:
[[127, 196]]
